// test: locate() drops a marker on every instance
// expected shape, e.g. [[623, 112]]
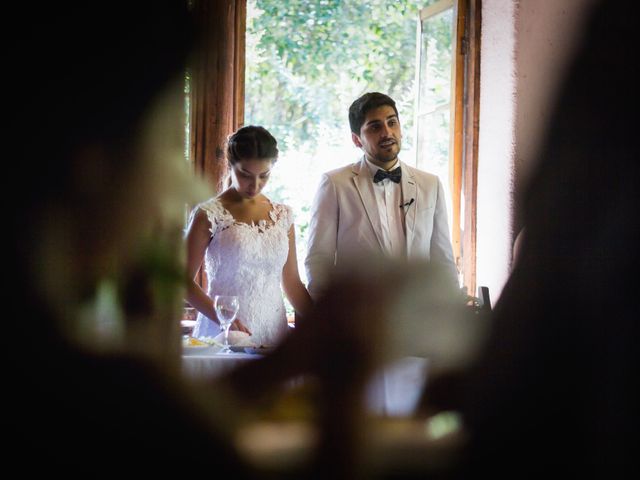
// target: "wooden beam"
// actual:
[[218, 84], [471, 135], [457, 138]]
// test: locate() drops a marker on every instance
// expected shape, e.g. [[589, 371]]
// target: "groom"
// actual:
[[378, 205]]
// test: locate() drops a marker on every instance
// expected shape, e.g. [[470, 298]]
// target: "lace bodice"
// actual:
[[247, 260]]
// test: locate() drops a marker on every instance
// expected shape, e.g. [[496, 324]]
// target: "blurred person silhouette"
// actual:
[[98, 217], [554, 391], [248, 246], [357, 326]]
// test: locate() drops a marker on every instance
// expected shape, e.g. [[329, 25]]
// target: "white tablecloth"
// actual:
[[394, 391], [214, 364]]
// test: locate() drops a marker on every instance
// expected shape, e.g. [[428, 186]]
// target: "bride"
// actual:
[[248, 246]]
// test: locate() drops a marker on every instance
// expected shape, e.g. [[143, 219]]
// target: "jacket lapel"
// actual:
[[409, 191], [364, 185]]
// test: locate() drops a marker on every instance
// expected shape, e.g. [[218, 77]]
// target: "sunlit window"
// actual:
[[307, 61], [434, 95]]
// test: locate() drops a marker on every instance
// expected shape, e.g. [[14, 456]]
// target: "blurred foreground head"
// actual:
[[555, 389], [100, 128], [393, 309]]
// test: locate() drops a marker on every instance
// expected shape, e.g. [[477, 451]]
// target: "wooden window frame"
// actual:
[[469, 21]]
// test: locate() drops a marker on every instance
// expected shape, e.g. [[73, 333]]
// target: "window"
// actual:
[[307, 61]]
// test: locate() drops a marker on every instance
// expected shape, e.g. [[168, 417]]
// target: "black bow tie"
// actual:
[[394, 175]]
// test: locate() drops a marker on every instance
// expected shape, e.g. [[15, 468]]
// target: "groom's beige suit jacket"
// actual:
[[345, 222]]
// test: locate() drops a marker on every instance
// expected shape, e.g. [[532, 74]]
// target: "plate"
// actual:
[[189, 341], [261, 350], [197, 350], [194, 346]]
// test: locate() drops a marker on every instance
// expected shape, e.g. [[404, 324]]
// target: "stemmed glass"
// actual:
[[226, 307]]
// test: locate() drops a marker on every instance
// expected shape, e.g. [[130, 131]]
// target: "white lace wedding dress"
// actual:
[[247, 260]]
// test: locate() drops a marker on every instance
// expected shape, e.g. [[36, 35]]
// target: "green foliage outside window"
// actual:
[[308, 60]]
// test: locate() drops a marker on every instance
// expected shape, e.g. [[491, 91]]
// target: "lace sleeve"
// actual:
[[285, 213], [215, 214]]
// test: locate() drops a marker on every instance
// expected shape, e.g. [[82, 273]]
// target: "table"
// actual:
[[208, 363], [393, 391]]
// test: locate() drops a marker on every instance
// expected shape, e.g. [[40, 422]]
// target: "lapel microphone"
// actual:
[[408, 203]]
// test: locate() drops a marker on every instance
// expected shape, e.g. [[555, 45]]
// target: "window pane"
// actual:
[[434, 101], [433, 145], [435, 61]]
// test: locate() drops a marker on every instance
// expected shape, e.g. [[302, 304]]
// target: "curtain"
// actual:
[[217, 88]]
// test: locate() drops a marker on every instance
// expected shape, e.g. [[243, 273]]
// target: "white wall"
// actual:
[[525, 45], [496, 143]]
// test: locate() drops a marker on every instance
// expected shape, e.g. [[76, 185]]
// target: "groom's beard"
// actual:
[[386, 159], [387, 156]]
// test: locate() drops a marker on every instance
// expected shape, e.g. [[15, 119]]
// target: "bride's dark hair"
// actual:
[[252, 141]]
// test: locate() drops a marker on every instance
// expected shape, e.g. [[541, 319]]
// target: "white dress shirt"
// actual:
[[388, 199]]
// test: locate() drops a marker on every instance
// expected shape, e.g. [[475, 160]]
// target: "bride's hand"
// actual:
[[239, 326]]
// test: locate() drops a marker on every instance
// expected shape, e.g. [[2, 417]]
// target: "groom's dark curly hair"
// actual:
[[359, 108]]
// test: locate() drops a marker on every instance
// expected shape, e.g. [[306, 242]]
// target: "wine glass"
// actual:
[[226, 307]]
